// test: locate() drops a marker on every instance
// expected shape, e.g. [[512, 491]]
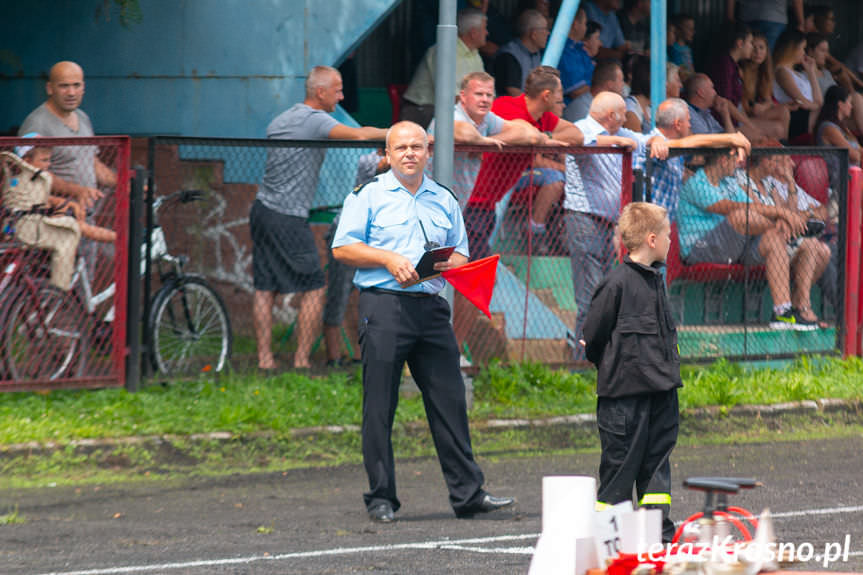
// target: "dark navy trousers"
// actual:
[[398, 328]]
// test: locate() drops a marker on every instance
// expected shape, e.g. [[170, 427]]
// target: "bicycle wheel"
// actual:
[[189, 329], [45, 333]]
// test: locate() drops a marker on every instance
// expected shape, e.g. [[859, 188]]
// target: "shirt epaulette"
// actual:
[[358, 189], [447, 189]]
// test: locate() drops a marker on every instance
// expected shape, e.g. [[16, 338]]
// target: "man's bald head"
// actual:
[[61, 69], [65, 87], [608, 109]]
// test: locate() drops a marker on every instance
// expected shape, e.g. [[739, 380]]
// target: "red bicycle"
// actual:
[[43, 329]]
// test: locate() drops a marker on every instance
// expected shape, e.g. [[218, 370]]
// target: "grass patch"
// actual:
[[261, 412], [245, 405]]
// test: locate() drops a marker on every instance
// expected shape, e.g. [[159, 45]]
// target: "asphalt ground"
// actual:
[[313, 521]]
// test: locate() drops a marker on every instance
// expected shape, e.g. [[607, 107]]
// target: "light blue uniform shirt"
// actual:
[[597, 191], [383, 214]]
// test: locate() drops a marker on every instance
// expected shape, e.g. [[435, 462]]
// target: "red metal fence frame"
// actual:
[[122, 145]]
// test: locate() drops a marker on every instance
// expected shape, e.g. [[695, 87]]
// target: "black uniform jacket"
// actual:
[[630, 333]]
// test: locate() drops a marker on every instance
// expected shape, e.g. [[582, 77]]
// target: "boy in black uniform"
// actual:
[[630, 336]]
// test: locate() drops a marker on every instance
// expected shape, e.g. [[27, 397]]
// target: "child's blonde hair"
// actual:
[[639, 219]]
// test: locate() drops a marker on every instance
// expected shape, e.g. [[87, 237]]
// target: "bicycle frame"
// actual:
[[158, 251]]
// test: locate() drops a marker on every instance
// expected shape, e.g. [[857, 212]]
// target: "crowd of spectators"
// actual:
[[767, 79]]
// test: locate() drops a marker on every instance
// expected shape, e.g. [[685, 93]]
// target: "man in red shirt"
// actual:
[[538, 106]]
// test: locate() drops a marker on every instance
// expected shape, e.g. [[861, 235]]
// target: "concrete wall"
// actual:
[[219, 68]]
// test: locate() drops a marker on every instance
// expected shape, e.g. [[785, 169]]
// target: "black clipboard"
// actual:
[[425, 267]]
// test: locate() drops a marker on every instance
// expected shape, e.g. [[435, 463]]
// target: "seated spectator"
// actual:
[[673, 124], [680, 52], [40, 158], [607, 77], [614, 45], [576, 62], [517, 58], [728, 80], [418, 99], [719, 223], [498, 31], [592, 196], [824, 23], [818, 49], [786, 192], [703, 101], [830, 126], [673, 84], [42, 220], [499, 172], [757, 73], [638, 113], [799, 90], [634, 22]]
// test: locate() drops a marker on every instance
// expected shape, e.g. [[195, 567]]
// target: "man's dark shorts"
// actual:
[[284, 255], [724, 245]]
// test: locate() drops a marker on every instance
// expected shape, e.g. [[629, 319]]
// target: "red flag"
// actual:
[[475, 281]]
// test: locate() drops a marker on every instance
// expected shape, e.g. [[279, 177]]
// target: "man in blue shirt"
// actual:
[[576, 61], [666, 176], [385, 228]]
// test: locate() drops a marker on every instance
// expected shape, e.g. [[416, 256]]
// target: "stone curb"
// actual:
[[583, 419]]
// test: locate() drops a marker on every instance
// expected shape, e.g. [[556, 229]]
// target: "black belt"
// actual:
[[398, 292]]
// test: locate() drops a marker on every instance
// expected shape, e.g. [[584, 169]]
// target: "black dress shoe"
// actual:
[[382, 513], [487, 504]]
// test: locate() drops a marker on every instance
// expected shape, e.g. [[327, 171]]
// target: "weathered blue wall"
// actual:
[[219, 68]]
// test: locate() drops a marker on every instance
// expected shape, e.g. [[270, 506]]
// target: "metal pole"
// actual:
[[657, 55], [559, 33], [444, 91], [133, 293], [149, 223]]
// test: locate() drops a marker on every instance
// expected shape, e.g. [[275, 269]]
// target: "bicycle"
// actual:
[[188, 324], [44, 329]]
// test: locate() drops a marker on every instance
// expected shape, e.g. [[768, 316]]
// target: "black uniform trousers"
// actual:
[[637, 433], [393, 329]]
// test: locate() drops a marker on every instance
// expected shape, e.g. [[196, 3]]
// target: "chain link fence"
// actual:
[[754, 267], [63, 287], [549, 212]]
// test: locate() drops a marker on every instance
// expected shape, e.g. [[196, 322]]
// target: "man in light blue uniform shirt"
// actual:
[[592, 203], [385, 228]]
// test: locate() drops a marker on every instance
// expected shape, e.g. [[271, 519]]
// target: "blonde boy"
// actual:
[[629, 334]]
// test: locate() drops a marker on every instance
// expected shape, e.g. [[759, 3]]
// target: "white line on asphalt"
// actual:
[[458, 544]]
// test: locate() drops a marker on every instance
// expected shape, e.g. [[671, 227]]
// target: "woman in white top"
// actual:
[[798, 89], [818, 47]]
